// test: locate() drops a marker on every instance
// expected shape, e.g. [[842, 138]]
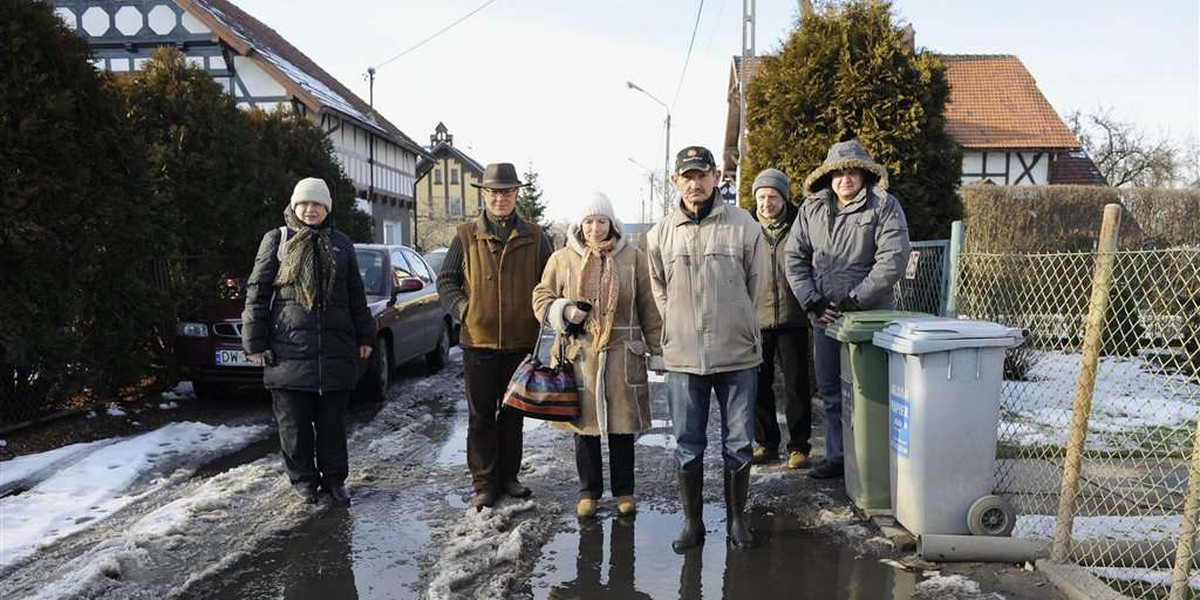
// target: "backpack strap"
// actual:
[[283, 236]]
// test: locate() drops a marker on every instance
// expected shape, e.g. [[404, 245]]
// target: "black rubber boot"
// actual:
[[691, 495], [737, 489]]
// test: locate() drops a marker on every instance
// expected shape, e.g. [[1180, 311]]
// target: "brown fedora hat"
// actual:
[[499, 176]]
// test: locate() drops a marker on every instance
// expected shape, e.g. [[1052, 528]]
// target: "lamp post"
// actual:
[[650, 173], [666, 192]]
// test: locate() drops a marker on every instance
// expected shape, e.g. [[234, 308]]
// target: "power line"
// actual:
[[692, 42], [430, 38]]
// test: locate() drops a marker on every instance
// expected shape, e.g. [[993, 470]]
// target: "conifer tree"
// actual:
[[529, 203], [79, 232], [846, 73]]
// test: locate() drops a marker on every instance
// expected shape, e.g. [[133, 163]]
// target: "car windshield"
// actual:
[[370, 267]]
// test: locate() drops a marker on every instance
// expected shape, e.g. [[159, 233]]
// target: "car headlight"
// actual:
[[192, 329]]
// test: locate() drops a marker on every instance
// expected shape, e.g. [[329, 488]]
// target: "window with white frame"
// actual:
[[391, 232]]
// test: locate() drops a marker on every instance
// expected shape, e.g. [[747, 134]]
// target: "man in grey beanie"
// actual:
[[785, 330]]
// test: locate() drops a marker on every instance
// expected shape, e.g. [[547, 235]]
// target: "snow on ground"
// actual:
[[1153, 577], [25, 471], [114, 411], [483, 543], [77, 486], [1151, 528], [952, 587], [138, 547], [181, 391], [1128, 397]]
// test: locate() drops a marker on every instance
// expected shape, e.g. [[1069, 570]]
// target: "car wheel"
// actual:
[[440, 355]]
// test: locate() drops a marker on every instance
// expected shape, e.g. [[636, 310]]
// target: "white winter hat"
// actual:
[[596, 204], [312, 189]]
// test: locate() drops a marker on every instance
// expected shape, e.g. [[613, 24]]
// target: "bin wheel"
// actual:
[[991, 515]]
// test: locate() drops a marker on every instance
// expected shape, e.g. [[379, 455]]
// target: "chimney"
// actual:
[[908, 36]]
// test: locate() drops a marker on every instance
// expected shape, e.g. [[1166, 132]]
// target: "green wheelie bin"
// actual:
[[865, 407]]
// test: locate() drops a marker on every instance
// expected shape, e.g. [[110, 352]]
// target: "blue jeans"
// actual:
[[827, 365], [689, 396]]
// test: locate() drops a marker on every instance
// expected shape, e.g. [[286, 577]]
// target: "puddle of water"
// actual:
[[599, 561], [366, 552], [657, 440], [454, 449]]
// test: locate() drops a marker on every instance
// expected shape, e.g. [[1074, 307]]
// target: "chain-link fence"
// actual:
[[926, 282], [1136, 490]]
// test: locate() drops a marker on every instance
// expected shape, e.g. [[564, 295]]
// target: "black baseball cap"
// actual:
[[694, 158]]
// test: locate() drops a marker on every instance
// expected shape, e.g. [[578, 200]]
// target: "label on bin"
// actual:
[[848, 399], [898, 430]]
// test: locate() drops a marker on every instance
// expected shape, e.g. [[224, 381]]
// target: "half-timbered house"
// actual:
[[1008, 132], [259, 68]]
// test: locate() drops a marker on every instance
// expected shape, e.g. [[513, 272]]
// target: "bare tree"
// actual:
[[1123, 152]]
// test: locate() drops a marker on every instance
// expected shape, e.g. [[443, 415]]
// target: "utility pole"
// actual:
[[748, 15]]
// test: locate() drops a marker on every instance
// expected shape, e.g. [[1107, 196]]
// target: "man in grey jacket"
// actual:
[[705, 262], [846, 251]]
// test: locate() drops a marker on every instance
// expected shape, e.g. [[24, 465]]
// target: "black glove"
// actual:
[[817, 307], [848, 304], [576, 329]]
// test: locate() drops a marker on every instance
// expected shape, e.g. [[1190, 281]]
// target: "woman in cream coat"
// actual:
[[596, 295]]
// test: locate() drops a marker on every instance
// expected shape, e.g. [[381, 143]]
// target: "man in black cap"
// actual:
[[705, 261], [487, 280]]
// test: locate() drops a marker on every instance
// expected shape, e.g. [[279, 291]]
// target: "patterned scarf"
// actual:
[[299, 268], [599, 285], [776, 228]]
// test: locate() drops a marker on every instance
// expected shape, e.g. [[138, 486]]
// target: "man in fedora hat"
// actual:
[[705, 263], [487, 280]]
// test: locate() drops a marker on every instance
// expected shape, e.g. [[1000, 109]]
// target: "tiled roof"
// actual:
[[995, 103], [1075, 168], [251, 36]]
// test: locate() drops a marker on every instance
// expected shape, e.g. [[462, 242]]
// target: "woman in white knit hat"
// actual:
[[596, 294], [306, 321]]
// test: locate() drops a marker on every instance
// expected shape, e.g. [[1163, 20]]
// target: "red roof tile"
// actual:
[[995, 103]]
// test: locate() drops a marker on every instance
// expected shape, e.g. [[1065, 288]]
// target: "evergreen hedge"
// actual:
[[845, 73]]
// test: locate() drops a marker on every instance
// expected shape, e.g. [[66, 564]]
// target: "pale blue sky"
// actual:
[[544, 81]]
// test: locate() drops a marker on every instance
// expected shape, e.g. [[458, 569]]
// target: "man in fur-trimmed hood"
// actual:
[[846, 251]]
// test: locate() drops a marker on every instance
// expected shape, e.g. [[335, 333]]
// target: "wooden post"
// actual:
[[1185, 550], [1092, 343]]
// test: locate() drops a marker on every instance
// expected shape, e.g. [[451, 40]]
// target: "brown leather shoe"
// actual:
[[485, 497], [586, 508], [516, 490], [626, 506], [763, 455], [797, 460]]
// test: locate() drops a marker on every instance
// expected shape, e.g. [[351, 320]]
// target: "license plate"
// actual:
[[233, 358]]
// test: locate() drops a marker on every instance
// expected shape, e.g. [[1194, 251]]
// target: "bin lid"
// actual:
[[939, 334], [860, 326]]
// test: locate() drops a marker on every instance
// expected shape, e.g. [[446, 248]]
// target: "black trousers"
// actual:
[[493, 440], [589, 462], [312, 435], [792, 347]]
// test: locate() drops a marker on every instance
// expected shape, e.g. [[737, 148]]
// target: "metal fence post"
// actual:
[[1187, 531], [950, 285], [1092, 345]]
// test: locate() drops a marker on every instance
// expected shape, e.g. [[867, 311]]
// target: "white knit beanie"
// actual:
[[596, 204], [312, 189]]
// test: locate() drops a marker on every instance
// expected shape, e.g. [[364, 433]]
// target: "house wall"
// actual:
[[1006, 167], [124, 33], [436, 196]]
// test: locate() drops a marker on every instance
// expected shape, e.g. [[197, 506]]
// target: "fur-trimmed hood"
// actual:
[[844, 155]]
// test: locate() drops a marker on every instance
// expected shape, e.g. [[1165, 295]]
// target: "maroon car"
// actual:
[[401, 294]]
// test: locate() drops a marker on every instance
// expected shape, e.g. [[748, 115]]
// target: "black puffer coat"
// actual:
[[314, 351]]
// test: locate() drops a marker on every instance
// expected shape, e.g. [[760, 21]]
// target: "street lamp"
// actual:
[[666, 151], [650, 173]]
